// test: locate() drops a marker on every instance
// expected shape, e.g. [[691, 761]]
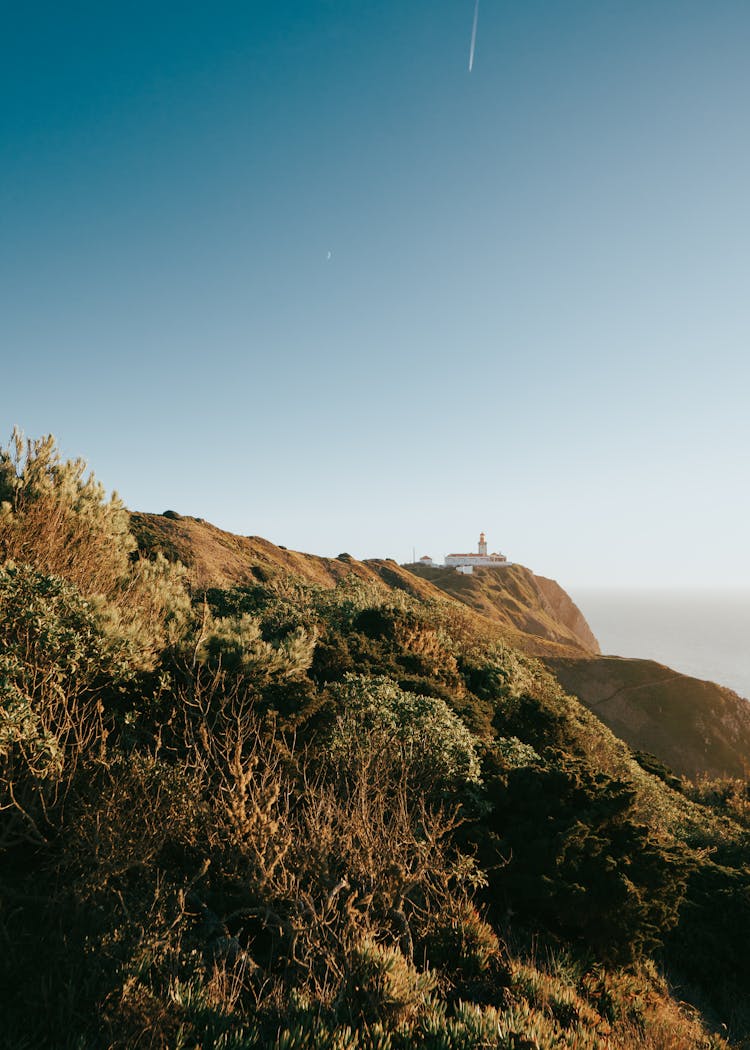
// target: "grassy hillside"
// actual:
[[698, 728], [694, 726], [264, 799], [518, 599], [527, 611]]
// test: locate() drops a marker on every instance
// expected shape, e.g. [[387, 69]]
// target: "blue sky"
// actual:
[[534, 320]]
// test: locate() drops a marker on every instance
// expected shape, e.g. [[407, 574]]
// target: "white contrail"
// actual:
[[474, 35]]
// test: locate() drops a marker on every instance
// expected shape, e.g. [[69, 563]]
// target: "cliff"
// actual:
[[515, 597], [693, 726], [528, 612]]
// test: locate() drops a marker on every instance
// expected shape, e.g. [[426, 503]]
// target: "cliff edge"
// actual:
[[695, 727], [515, 597]]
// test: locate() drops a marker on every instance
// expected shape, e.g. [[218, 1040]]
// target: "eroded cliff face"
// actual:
[[566, 612], [516, 597]]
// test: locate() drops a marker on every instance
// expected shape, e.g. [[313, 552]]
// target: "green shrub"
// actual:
[[467, 952], [235, 644], [420, 730], [384, 987], [57, 519], [578, 863], [58, 665]]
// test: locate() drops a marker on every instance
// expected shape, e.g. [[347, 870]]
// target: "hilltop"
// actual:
[[693, 726], [530, 611]]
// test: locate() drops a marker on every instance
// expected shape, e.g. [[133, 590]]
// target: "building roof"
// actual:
[[474, 554]]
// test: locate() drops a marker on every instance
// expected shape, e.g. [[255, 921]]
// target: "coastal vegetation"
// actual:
[[327, 809]]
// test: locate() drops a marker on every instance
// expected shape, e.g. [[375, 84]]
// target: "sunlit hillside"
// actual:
[[255, 798]]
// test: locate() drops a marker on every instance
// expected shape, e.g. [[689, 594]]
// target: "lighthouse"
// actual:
[[465, 563]]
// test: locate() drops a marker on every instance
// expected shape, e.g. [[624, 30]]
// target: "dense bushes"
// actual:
[[59, 665], [236, 645], [709, 946], [56, 518], [420, 733], [577, 860], [295, 816]]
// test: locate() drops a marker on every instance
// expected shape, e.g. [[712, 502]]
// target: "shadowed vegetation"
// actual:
[[325, 808]]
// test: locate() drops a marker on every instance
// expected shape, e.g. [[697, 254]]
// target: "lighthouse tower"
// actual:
[[465, 562]]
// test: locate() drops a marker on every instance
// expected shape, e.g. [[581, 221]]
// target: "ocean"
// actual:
[[705, 634]]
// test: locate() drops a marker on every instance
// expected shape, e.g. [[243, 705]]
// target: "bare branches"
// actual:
[[323, 861]]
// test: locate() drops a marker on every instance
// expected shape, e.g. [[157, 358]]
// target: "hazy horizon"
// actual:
[[294, 269], [699, 632]]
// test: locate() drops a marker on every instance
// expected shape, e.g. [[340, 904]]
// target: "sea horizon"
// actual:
[[701, 632]]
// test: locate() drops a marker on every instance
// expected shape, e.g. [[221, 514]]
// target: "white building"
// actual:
[[426, 560], [464, 563]]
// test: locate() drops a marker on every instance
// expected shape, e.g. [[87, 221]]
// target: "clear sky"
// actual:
[[535, 315]]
